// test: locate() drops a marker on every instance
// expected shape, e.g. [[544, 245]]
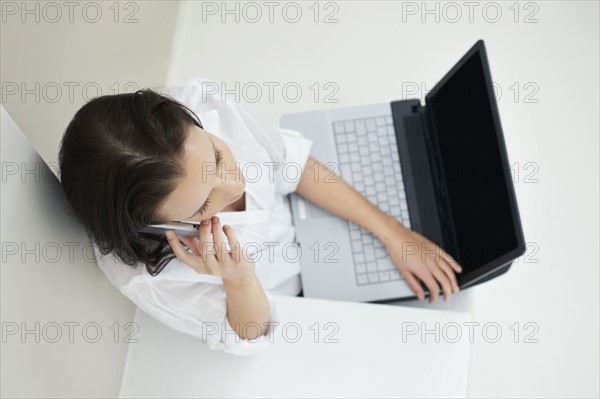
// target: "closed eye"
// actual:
[[218, 161], [218, 157]]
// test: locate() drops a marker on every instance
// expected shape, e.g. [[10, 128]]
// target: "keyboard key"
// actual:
[[373, 277], [353, 147], [369, 252], [349, 125], [370, 124], [343, 148], [359, 257], [352, 137], [395, 210], [380, 121], [346, 171], [354, 234], [372, 267], [380, 253], [389, 120], [378, 244], [359, 124], [362, 279], [338, 127], [384, 276], [360, 268], [385, 264], [344, 158], [357, 245], [395, 275], [341, 138]]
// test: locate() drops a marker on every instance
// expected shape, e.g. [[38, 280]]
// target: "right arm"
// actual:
[[247, 303], [247, 306]]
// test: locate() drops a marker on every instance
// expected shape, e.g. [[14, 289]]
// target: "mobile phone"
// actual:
[[183, 228]]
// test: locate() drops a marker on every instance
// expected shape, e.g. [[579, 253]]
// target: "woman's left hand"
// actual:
[[417, 257]]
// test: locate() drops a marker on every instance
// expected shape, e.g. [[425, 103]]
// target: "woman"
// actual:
[[129, 160]]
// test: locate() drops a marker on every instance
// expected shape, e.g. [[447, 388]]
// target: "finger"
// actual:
[[427, 278], [180, 251], [205, 240], [443, 280], [450, 273], [413, 284], [218, 239], [191, 242], [450, 261], [233, 241]]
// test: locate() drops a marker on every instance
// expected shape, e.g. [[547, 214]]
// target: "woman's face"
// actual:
[[213, 179]]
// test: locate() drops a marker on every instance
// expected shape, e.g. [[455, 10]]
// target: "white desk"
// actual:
[[368, 360]]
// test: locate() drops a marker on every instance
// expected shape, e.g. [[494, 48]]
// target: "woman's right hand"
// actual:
[[209, 254]]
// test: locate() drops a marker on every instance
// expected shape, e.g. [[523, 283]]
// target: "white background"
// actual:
[[370, 54]]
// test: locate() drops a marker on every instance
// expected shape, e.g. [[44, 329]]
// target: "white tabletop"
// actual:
[[369, 358]]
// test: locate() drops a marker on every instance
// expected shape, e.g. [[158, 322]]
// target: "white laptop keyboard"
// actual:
[[369, 160]]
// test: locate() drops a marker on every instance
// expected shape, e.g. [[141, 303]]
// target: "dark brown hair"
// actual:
[[119, 159]]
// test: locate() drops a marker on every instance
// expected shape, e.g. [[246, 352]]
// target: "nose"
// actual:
[[235, 180]]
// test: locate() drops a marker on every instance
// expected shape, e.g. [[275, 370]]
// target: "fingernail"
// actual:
[[215, 219], [169, 235], [205, 222]]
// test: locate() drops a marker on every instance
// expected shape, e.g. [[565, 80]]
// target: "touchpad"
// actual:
[[317, 212]]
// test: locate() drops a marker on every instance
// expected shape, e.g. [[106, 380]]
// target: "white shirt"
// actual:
[[195, 303]]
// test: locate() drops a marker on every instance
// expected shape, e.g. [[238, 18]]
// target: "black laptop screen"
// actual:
[[470, 154]]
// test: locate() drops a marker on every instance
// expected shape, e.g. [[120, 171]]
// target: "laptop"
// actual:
[[440, 168]]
